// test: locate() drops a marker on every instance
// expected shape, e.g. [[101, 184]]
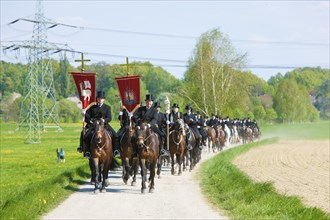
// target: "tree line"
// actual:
[[213, 84]]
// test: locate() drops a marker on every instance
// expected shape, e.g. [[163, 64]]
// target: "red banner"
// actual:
[[86, 87], [129, 89]]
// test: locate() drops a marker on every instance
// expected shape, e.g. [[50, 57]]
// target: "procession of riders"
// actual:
[[235, 130]]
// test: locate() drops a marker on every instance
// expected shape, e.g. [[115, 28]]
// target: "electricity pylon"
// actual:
[[38, 108]]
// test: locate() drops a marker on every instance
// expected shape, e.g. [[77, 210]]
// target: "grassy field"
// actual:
[[231, 190], [32, 182]]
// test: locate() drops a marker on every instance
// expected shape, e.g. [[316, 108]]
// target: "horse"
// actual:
[[130, 165], [192, 149], [228, 134], [235, 138], [220, 141], [177, 144], [211, 137], [101, 154], [248, 135], [256, 133], [148, 148]]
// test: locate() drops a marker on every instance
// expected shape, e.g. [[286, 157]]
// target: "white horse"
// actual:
[[228, 135]]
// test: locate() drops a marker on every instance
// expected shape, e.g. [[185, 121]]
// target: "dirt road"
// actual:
[[300, 168], [175, 197]]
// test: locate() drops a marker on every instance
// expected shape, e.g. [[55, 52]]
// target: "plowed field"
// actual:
[[300, 168]]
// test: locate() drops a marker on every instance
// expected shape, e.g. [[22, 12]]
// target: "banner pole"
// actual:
[[167, 112]]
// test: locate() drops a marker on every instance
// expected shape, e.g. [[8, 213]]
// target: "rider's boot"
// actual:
[[87, 153], [135, 151], [80, 147], [163, 151], [116, 148]]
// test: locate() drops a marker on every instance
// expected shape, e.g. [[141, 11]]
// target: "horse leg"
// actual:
[[179, 161], [191, 157], [91, 167], [97, 174], [105, 170], [135, 167], [126, 169], [172, 164], [143, 175], [159, 168], [152, 177]]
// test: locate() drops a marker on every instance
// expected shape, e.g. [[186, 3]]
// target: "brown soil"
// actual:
[[300, 168]]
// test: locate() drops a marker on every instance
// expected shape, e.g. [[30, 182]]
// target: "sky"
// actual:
[[276, 35]]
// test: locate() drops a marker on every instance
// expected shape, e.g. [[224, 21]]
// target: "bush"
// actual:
[[68, 111]]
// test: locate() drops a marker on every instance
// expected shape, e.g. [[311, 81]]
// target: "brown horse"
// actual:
[[148, 148], [211, 137], [130, 165], [177, 144], [221, 140], [101, 151]]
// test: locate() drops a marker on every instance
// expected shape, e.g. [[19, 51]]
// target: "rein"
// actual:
[[97, 144], [177, 143]]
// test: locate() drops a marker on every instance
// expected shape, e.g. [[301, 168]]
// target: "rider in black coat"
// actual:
[[190, 119], [148, 114], [99, 110], [174, 114]]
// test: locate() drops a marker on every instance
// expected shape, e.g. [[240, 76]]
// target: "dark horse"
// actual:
[[130, 165], [101, 150], [148, 148], [192, 149], [177, 143]]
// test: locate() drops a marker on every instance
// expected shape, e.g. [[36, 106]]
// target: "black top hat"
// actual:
[[100, 94], [157, 104], [188, 107], [175, 105], [148, 97]]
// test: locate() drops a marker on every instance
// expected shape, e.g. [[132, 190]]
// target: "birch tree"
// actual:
[[211, 68]]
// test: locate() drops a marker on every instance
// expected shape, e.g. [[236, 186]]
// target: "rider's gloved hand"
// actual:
[[149, 125], [120, 113], [167, 122]]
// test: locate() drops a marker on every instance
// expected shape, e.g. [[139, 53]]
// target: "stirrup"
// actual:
[[80, 149], [87, 155], [163, 152], [116, 153]]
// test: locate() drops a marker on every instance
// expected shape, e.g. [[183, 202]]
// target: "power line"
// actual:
[[54, 24]]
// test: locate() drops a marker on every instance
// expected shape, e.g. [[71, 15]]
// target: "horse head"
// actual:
[[99, 129], [179, 126], [142, 134]]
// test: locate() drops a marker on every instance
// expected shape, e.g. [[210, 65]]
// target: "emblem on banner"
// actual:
[[129, 97], [85, 91]]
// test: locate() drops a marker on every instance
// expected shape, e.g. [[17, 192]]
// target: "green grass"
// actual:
[[231, 190], [310, 131], [32, 181]]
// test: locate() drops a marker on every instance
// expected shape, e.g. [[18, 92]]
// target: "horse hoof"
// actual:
[[159, 176], [133, 183], [125, 181], [107, 182], [151, 190], [143, 191], [103, 190], [96, 191]]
